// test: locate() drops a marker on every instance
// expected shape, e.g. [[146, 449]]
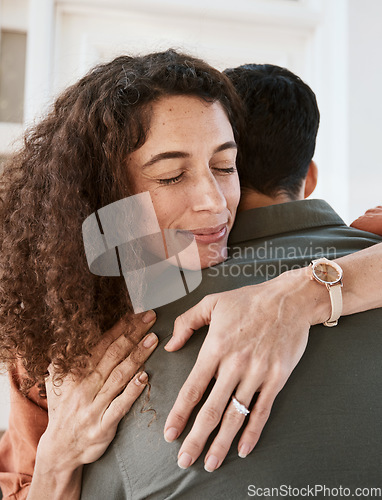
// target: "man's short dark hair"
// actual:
[[282, 119]]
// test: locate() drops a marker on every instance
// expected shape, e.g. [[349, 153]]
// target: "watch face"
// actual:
[[326, 273]]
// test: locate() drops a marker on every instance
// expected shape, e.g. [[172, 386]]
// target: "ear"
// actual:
[[311, 179]]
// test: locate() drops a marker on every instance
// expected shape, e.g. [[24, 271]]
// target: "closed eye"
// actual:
[[172, 180], [229, 170]]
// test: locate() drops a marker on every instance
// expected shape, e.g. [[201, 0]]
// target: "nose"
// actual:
[[208, 195]]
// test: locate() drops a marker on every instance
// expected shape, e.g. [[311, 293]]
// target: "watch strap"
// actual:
[[335, 294]]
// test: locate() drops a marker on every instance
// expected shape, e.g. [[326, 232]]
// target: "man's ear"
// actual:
[[311, 179]]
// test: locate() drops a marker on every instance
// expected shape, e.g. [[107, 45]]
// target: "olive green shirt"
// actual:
[[325, 426]]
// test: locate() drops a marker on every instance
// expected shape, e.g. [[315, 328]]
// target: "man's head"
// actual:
[[282, 121]]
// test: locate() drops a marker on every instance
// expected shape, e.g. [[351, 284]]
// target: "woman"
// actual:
[[164, 123], [85, 155]]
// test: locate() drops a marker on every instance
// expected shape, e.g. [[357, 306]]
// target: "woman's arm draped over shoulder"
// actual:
[[18, 447], [290, 303], [362, 288]]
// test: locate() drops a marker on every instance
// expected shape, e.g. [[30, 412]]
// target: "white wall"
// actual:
[[4, 402], [365, 105], [307, 36], [13, 16]]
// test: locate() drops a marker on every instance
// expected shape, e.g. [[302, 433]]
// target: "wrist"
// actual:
[[52, 457], [362, 280], [51, 483], [314, 299]]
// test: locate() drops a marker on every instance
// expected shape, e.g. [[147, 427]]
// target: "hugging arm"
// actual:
[[83, 416], [84, 413], [256, 337]]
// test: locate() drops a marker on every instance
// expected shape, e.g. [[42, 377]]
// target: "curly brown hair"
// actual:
[[72, 163]]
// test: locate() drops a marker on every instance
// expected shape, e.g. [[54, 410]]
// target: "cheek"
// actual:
[[232, 193], [167, 211]]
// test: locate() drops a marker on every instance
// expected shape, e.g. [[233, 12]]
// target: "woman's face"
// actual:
[[188, 165]]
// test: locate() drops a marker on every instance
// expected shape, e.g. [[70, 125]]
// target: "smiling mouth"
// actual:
[[207, 234]]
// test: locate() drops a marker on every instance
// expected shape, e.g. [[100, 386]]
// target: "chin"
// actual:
[[197, 255], [214, 254]]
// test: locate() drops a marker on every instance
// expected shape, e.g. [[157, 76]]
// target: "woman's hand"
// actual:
[[371, 221], [256, 337], [84, 413]]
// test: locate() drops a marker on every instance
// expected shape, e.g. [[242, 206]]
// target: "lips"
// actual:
[[208, 230], [206, 234], [209, 235]]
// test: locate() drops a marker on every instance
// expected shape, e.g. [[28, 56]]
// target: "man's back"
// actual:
[[324, 427]]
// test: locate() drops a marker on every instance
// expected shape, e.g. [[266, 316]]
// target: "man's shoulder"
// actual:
[[302, 217]]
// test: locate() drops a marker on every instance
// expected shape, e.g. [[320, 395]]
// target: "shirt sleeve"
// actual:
[[371, 221], [18, 446]]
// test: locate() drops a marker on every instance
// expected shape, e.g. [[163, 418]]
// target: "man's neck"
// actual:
[[252, 199]]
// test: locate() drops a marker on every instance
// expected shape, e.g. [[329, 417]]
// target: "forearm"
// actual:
[[51, 482], [266, 327], [57, 487], [362, 280], [362, 286]]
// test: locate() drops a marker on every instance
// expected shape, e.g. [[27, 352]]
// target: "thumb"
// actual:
[[193, 319]]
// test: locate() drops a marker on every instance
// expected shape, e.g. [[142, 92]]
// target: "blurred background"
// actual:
[[334, 45]]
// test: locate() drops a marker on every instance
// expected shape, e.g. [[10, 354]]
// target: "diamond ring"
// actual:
[[239, 407]]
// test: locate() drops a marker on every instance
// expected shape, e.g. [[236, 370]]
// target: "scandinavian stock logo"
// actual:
[[124, 239]]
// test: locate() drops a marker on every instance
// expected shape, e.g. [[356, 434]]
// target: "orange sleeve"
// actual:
[[18, 446], [371, 221]]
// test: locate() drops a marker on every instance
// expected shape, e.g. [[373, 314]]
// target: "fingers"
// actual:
[[133, 327], [96, 407], [114, 354], [371, 221], [210, 415], [189, 396], [124, 371], [231, 423], [257, 420], [206, 421], [191, 320], [122, 404]]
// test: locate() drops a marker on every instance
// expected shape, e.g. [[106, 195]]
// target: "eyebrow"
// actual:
[[169, 155]]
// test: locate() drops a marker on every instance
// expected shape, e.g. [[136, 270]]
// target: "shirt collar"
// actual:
[[282, 218]]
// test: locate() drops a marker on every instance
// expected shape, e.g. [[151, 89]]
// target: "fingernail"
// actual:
[[150, 340], [244, 450], [171, 434], [184, 461], [169, 344], [211, 463], [149, 316], [141, 378]]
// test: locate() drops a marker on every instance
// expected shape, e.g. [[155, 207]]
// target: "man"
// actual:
[[322, 432], [282, 108], [275, 161]]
